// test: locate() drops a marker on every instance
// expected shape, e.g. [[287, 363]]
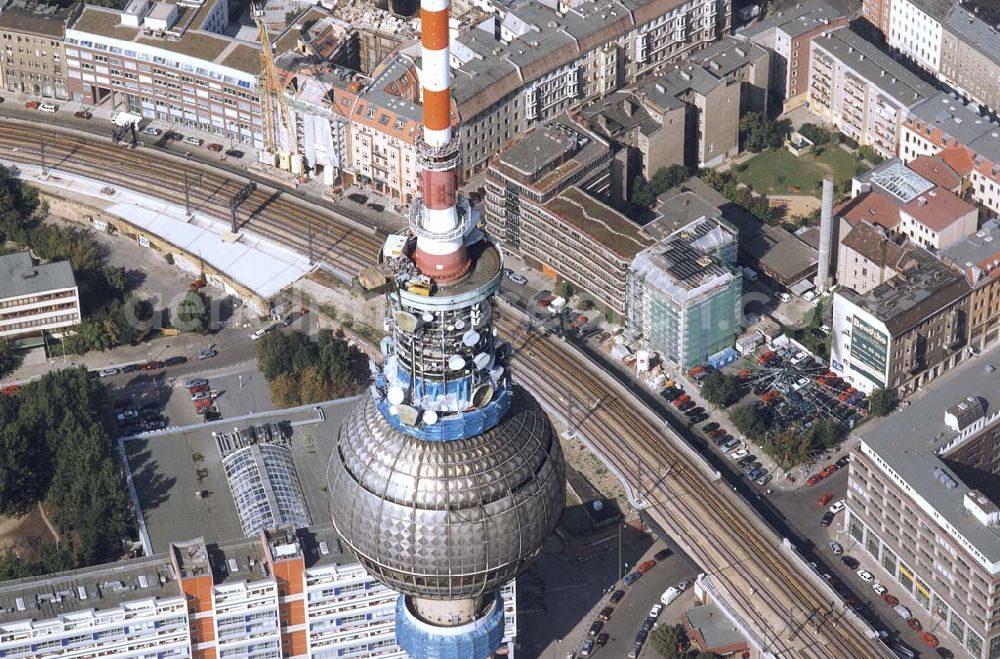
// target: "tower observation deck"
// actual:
[[448, 478]]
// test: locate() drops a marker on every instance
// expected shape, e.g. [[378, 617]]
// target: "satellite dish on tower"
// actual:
[[482, 395], [396, 395], [470, 338], [408, 415], [496, 373], [456, 362], [482, 360], [406, 321], [428, 317], [459, 324], [430, 417]]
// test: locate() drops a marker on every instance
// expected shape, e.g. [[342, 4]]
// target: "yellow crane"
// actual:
[[272, 102]]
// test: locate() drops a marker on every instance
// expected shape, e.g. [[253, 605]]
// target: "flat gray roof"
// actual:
[[951, 115], [796, 20], [728, 55], [974, 31], [19, 276], [167, 476], [714, 625], [677, 208], [984, 245], [922, 425], [875, 66]]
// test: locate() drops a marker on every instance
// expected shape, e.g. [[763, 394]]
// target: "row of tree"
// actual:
[[53, 449], [670, 642], [720, 389], [790, 446], [644, 193], [725, 182], [301, 369]]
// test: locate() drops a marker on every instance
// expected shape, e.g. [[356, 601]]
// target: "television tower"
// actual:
[[448, 478]]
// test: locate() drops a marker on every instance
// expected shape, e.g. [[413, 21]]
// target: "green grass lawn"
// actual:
[[774, 172]]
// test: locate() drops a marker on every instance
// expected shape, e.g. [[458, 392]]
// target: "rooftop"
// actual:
[[922, 285], [169, 467], [923, 426], [873, 243], [936, 9], [729, 55], [36, 18], [974, 31], [19, 276], [961, 122], [897, 180], [682, 205], [600, 222], [685, 265], [781, 252], [977, 255], [617, 113], [185, 38], [794, 21], [549, 154], [936, 170], [717, 631], [875, 66]]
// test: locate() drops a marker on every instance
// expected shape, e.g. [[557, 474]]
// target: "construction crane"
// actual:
[[272, 101]]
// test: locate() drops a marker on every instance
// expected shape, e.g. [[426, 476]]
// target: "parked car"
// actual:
[[662, 554], [879, 589], [216, 147], [83, 114], [866, 576], [631, 578], [47, 107], [929, 639], [196, 141], [655, 611], [646, 566], [149, 130], [850, 562], [152, 366], [891, 600], [195, 382], [837, 507], [176, 360], [824, 499], [616, 597], [587, 648], [601, 640], [197, 389], [595, 627], [826, 519], [763, 480], [202, 395], [130, 368], [836, 548], [843, 462], [207, 354], [126, 415], [682, 585], [606, 612], [107, 372], [520, 280], [378, 208], [357, 198], [709, 427], [32, 105], [914, 624]]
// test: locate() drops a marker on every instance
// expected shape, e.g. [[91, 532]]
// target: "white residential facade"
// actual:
[[916, 34], [36, 298]]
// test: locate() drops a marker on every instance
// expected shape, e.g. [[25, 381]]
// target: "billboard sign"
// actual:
[[869, 350]]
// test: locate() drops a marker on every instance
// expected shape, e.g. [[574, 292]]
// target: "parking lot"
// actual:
[[557, 623]]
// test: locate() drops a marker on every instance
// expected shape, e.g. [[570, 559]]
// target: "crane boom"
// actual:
[[272, 97]]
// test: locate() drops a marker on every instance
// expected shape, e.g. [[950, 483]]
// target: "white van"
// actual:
[[669, 595]]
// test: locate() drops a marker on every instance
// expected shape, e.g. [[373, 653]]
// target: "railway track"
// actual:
[[267, 212], [785, 609], [788, 612]]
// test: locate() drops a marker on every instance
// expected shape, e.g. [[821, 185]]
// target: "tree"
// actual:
[[719, 389], [759, 133], [642, 192], [564, 289], [665, 639], [867, 152], [881, 402], [611, 317], [194, 313], [8, 358], [815, 134], [302, 371], [666, 178], [753, 422]]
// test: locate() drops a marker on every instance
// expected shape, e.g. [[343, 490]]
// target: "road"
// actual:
[[788, 611]]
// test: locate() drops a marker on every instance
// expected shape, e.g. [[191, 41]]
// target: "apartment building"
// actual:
[[788, 34], [531, 62], [745, 62], [904, 332], [32, 60], [867, 257], [684, 292], [967, 141], [970, 55], [916, 30], [168, 62], [861, 90], [922, 512], [36, 298], [978, 256], [385, 124]]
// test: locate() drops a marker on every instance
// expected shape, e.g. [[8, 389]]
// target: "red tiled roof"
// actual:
[[938, 208], [959, 159], [872, 208], [937, 171]]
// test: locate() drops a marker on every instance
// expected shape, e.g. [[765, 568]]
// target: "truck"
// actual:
[[126, 119], [749, 274]]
